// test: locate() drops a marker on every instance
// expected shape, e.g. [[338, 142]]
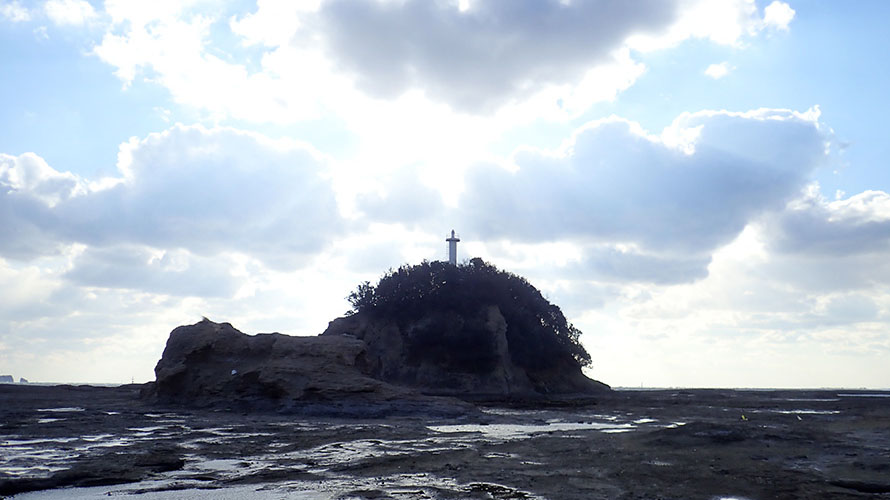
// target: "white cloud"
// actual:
[[778, 15], [718, 70], [30, 174], [638, 207], [29, 190], [274, 22], [205, 190], [15, 12], [69, 12], [753, 316], [552, 59], [304, 62], [613, 184], [174, 48]]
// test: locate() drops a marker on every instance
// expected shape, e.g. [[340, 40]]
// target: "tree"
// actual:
[[538, 334], [363, 298]]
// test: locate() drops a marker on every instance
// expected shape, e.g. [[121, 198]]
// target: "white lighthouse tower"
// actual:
[[452, 248]]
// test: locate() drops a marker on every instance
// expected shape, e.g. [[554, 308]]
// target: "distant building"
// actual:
[[452, 248]]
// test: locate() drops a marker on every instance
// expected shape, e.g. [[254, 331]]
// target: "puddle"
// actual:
[[674, 425], [26, 442], [644, 421], [520, 431], [806, 412], [147, 429], [658, 463], [62, 410], [812, 400]]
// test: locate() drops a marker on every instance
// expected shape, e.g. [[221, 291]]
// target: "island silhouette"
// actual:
[[466, 330]]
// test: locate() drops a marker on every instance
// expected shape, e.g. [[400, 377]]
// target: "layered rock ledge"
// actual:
[[213, 365]]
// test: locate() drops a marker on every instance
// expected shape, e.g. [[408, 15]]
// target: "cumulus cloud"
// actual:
[[680, 195], [778, 15], [204, 190], [29, 189], [824, 247], [483, 56], [615, 183], [854, 226], [69, 12], [31, 175]]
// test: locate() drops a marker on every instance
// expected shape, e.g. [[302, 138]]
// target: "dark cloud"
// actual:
[[820, 247], [495, 52], [859, 225], [23, 219], [28, 190], [608, 264], [138, 268]]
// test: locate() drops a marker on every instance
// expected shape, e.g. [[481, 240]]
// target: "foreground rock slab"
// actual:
[[631, 445]]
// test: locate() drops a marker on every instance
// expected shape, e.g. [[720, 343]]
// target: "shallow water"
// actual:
[[229, 493], [522, 431]]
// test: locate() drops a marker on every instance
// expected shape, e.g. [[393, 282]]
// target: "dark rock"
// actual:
[[862, 486], [446, 368], [214, 365], [701, 433]]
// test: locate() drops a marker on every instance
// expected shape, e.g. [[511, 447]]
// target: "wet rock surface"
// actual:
[[88, 442]]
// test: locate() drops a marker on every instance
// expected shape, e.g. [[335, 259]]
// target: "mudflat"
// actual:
[[92, 442]]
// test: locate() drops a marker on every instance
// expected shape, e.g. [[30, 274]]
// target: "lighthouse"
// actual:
[[452, 248]]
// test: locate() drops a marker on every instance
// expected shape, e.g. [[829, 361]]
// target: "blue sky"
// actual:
[[700, 185]]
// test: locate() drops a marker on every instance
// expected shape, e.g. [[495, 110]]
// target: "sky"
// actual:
[[700, 185]]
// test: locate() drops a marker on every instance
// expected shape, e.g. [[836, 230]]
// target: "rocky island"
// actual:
[[425, 331]]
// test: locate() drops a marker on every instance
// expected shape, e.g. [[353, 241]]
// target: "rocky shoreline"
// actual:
[[89, 442]]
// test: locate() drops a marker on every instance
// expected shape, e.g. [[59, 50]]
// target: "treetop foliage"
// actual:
[[538, 334]]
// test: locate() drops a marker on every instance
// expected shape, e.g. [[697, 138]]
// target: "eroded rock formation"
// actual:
[[468, 354], [214, 365]]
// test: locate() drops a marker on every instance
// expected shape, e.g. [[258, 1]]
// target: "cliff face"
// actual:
[[444, 352], [214, 365]]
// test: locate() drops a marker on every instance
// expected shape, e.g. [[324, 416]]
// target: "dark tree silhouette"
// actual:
[[539, 336]]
